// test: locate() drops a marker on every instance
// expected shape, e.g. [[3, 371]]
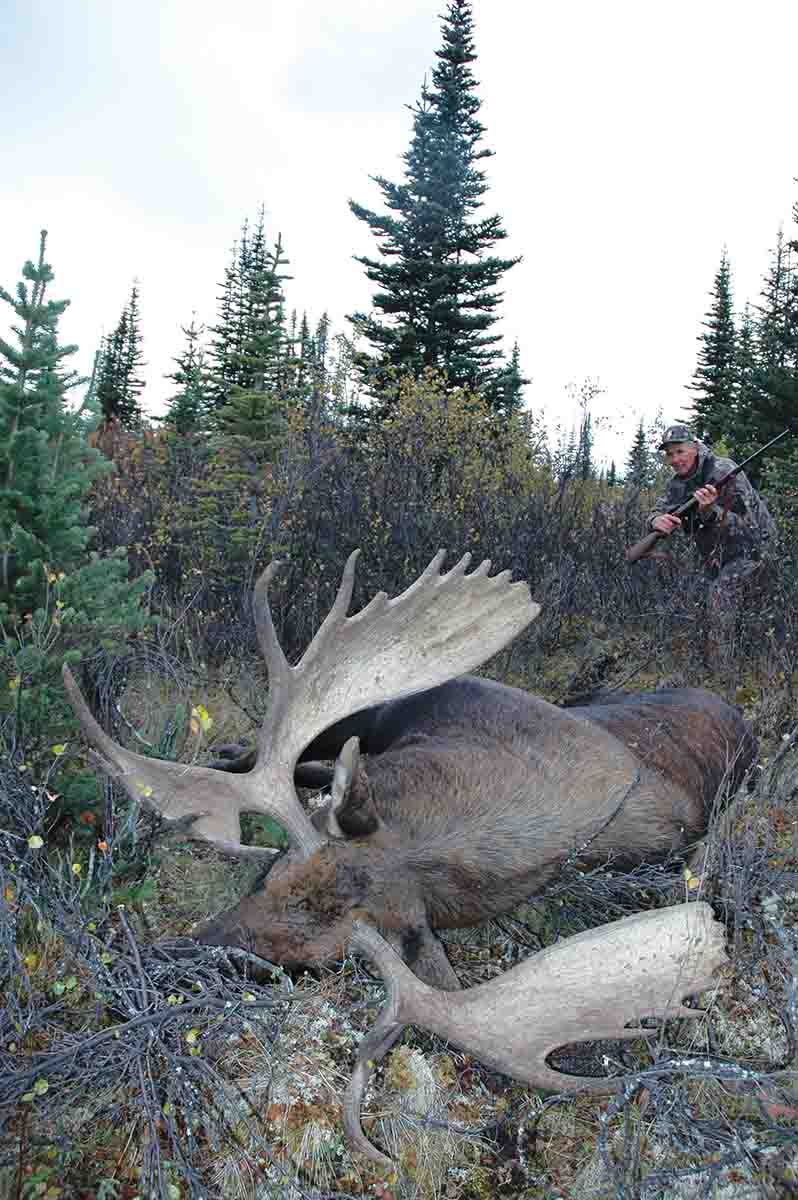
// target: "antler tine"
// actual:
[[386, 1031], [344, 595], [597, 984], [211, 801], [270, 648], [440, 627]]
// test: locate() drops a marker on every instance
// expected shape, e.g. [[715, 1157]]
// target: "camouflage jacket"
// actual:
[[738, 525]]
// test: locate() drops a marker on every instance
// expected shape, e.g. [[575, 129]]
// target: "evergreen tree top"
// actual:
[[437, 284]]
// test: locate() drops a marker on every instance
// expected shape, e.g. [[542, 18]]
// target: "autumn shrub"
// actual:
[[208, 513], [86, 615]]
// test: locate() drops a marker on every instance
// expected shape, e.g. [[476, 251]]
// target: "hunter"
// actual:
[[733, 531]]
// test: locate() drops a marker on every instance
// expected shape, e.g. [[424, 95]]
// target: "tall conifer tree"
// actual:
[[714, 384], [774, 400], [641, 466], [251, 352], [119, 385], [437, 284], [46, 465], [187, 409]]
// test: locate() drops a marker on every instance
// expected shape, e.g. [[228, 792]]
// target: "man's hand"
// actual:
[[666, 523], [706, 497]]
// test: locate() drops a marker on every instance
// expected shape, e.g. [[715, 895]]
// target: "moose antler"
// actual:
[[442, 626], [594, 985]]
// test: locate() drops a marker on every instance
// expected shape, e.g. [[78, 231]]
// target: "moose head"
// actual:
[[442, 625]]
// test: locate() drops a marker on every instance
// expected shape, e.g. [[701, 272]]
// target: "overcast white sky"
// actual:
[[633, 140]]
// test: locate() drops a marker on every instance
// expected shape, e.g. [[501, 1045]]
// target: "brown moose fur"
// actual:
[[471, 799]]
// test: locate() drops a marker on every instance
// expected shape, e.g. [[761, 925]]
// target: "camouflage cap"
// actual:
[[676, 433]]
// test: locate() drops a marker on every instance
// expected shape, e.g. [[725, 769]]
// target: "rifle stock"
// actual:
[[644, 546]]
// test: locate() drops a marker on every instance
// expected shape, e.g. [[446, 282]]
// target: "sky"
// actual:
[[633, 140]]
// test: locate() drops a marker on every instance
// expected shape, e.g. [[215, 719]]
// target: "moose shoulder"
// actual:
[[473, 794]]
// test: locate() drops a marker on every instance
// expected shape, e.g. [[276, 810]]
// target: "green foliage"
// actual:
[[774, 403], [187, 409], [437, 299], [641, 465], [250, 350], [46, 464], [746, 381], [118, 384], [94, 606], [58, 600], [780, 479], [257, 418], [715, 383]]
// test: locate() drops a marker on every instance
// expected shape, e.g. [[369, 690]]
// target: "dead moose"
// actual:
[[473, 795]]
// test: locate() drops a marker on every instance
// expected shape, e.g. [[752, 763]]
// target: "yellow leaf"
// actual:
[[59, 748], [693, 882], [200, 713], [191, 1036], [8, 895], [76, 868], [14, 683], [30, 961], [41, 1087], [144, 788], [35, 842]]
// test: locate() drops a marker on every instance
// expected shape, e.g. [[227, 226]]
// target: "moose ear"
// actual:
[[352, 812]]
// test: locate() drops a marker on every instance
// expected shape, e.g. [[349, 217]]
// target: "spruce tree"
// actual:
[[774, 400], [119, 385], [46, 469], [44, 466], [641, 466], [58, 599], [585, 466], [506, 393], [187, 409], [250, 352], [714, 384], [311, 386], [437, 284], [746, 376]]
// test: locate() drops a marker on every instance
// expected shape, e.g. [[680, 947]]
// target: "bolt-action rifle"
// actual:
[[647, 544]]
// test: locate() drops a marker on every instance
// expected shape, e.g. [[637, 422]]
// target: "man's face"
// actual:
[[682, 457]]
